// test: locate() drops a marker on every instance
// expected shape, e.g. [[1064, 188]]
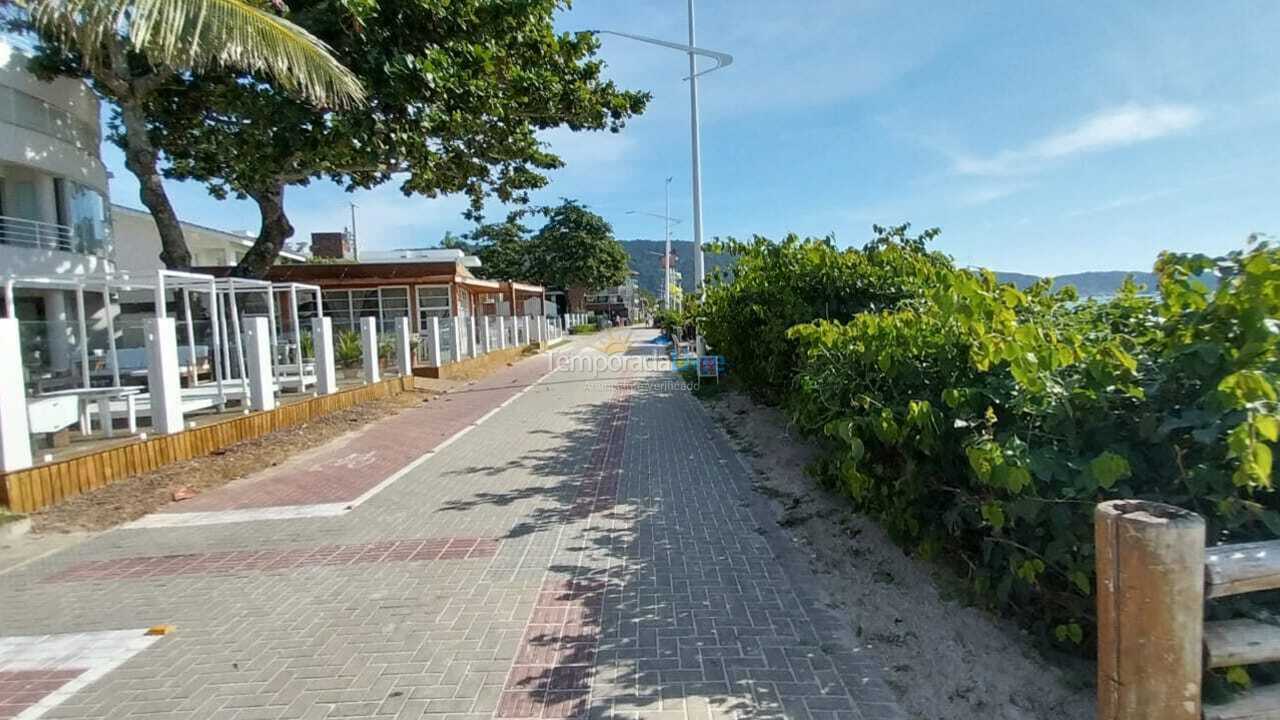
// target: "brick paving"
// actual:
[[20, 689], [239, 561], [627, 571], [346, 468]]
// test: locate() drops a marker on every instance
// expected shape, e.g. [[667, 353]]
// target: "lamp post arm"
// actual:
[[722, 59]]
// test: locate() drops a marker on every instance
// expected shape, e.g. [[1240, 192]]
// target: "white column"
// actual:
[[369, 342], [459, 342], [326, 370], [502, 332], [162, 374], [485, 341], [528, 336], [540, 328], [404, 361], [433, 341], [55, 317], [15, 433], [478, 348], [257, 336]]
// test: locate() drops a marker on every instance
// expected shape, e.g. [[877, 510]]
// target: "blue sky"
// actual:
[[1041, 137]]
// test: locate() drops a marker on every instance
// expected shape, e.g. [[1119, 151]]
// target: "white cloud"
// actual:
[[1105, 130], [985, 194]]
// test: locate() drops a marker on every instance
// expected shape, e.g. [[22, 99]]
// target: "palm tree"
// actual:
[[175, 36]]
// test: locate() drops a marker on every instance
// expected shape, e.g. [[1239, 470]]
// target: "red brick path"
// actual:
[[344, 470], [238, 561], [551, 674], [20, 689]]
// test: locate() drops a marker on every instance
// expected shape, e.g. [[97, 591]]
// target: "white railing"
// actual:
[[35, 234]]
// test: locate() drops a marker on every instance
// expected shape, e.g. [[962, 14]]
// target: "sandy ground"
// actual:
[[947, 661]]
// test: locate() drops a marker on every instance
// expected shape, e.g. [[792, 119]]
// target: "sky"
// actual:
[[1044, 138]]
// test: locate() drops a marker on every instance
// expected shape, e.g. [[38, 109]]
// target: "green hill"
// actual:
[[646, 259]]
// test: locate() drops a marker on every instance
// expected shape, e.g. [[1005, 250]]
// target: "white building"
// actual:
[[54, 221], [138, 249]]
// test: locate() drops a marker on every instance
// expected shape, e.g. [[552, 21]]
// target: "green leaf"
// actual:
[[1239, 677], [993, 514], [856, 449], [1108, 468], [1081, 581], [1268, 426], [1069, 632]]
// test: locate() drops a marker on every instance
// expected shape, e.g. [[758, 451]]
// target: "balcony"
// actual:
[[37, 235]]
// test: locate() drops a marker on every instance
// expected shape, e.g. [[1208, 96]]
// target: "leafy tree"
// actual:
[[576, 248], [132, 50], [505, 250], [457, 93]]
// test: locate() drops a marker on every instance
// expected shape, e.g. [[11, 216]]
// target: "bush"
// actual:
[[778, 285], [983, 422], [347, 349], [679, 323], [583, 329]]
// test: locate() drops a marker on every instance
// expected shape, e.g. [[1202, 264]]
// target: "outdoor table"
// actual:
[[103, 397]]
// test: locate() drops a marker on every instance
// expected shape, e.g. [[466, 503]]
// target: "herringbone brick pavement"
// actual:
[[625, 572]]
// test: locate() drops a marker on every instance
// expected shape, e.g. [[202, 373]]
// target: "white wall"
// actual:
[[138, 243], [61, 138]]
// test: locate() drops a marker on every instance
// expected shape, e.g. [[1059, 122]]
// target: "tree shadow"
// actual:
[[676, 600]]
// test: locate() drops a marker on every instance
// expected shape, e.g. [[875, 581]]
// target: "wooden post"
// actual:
[[1150, 563]]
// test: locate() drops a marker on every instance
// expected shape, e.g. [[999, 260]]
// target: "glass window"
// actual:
[[395, 304], [433, 301], [337, 305], [364, 303], [87, 213]]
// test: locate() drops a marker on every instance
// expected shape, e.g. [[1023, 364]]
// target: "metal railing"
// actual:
[[35, 234]]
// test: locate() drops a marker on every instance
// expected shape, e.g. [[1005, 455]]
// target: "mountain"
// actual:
[[646, 260], [1088, 284]]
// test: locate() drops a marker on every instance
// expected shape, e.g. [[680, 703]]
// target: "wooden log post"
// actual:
[[1150, 563]]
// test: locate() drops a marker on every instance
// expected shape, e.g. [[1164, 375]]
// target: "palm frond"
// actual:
[[196, 34]]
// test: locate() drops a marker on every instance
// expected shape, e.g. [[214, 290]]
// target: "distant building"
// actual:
[[331, 245], [138, 244], [623, 301]]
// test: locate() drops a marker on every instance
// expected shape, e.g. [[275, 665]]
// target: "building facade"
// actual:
[[622, 302], [138, 250], [54, 217]]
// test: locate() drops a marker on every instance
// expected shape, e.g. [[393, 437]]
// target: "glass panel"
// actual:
[[395, 304], [88, 219], [364, 303], [433, 300]]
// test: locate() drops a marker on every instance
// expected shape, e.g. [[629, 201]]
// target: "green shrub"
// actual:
[[985, 422], [583, 329], [778, 285], [679, 323], [347, 349]]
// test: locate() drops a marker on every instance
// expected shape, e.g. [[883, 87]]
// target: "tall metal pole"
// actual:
[[355, 244], [666, 258], [697, 160]]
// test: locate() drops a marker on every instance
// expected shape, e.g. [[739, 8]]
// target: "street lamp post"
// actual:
[[666, 231], [698, 268], [722, 60], [355, 244]]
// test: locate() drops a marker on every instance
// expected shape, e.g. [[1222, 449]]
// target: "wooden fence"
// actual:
[[1154, 576], [44, 485]]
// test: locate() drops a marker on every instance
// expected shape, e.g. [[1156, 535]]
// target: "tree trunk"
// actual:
[[275, 230], [142, 159]]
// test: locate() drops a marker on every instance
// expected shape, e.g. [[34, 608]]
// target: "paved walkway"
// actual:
[[592, 549]]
